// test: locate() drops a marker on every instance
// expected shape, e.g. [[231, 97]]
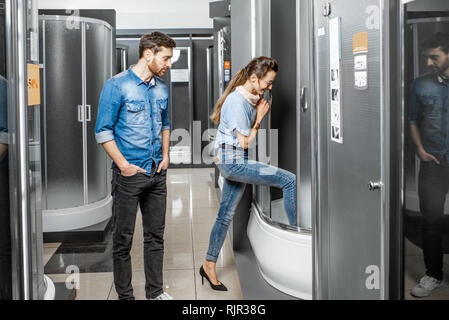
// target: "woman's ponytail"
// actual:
[[238, 80]]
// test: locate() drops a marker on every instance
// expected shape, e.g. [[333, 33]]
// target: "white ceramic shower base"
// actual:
[[284, 257], [78, 217]]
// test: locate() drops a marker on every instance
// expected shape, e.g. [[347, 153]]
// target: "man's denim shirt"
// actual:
[[429, 106], [134, 114]]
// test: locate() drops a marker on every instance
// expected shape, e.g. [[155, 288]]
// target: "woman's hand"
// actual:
[[262, 109]]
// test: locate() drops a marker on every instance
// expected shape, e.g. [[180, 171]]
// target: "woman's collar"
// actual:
[[253, 99]]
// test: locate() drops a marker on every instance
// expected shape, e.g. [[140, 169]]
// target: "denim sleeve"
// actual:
[[108, 111], [413, 106], [165, 121], [237, 119]]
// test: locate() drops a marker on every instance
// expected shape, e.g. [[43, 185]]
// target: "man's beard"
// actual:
[[442, 70], [155, 70], [161, 73]]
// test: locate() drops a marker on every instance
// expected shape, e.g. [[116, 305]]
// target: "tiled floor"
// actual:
[[414, 270], [191, 211]]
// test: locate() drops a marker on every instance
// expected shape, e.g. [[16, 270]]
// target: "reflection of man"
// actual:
[[429, 124], [5, 234], [133, 128]]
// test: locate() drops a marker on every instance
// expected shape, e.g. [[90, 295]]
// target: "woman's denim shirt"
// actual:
[[237, 114]]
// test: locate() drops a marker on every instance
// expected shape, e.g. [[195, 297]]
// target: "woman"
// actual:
[[239, 114]]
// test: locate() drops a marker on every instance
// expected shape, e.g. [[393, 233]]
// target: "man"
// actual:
[[429, 125], [134, 130]]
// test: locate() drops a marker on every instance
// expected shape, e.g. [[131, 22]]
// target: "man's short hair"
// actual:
[[154, 41], [437, 40]]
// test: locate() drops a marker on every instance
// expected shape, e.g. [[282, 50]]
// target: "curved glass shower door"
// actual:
[[98, 58], [76, 57], [62, 130]]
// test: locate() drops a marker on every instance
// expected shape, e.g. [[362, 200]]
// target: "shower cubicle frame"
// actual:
[[25, 212], [88, 214]]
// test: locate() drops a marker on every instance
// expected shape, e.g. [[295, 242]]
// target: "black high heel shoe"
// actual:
[[219, 287]]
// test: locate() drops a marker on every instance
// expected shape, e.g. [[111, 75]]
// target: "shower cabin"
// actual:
[[77, 59], [336, 122], [283, 253]]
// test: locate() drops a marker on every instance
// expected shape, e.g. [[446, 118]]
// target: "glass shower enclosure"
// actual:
[[76, 58]]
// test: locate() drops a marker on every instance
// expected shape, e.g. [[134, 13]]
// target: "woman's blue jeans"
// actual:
[[237, 175]]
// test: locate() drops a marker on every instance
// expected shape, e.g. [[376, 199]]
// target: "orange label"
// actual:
[[360, 42], [227, 65], [34, 86]]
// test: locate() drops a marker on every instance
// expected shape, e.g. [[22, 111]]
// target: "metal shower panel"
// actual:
[[351, 221]]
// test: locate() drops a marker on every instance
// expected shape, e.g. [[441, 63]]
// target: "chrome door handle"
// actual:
[[304, 104], [89, 113], [80, 113], [375, 186]]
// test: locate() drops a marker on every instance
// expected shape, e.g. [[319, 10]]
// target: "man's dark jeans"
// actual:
[[433, 188], [150, 192]]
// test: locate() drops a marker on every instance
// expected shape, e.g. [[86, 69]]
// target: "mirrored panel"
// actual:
[[426, 149]]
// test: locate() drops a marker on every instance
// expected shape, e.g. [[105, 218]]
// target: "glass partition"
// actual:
[[280, 142]]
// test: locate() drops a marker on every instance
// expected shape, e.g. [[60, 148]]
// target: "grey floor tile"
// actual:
[[178, 233], [411, 249], [438, 294], [178, 283], [204, 215], [191, 212], [91, 286]]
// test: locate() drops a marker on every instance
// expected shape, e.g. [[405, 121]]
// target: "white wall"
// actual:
[[145, 14]]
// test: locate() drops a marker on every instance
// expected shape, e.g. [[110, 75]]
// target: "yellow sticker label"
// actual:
[[360, 43], [34, 85]]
